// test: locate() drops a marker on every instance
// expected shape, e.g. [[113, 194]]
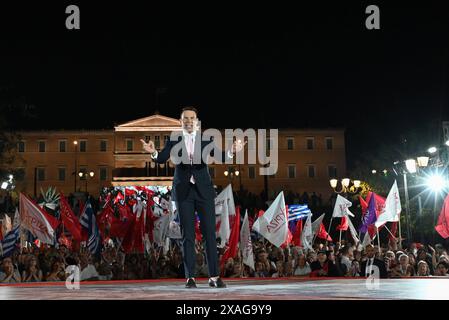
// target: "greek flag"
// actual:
[[8, 244], [298, 211], [88, 221]]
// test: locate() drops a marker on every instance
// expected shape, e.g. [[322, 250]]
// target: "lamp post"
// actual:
[[86, 175], [231, 173], [75, 143], [346, 186]]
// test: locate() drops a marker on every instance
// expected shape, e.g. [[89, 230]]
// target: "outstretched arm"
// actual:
[[159, 157]]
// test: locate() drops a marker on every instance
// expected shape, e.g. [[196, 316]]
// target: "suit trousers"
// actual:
[[206, 212]]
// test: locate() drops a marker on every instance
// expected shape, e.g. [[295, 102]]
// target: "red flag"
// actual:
[[364, 204], [104, 219], [442, 226], [232, 249], [68, 218], [344, 225], [297, 235], [128, 239], [63, 240], [394, 228], [120, 226], [322, 233], [261, 212]]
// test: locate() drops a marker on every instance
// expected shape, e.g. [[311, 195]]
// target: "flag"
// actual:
[[394, 229], [392, 208], [364, 204], [8, 244], [297, 234], [298, 211], [322, 233], [36, 220], [6, 226], [344, 225], [273, 224], [307, 235], [88, 222], [442, 226], [316, 225], [68, 218], [246, 245], [232, 249], [353, 231], [366, 240], [370, 218], [161, 229], [224, 207], [341, 207]]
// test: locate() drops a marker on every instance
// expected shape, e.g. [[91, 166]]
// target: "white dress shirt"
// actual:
[[369, 266]]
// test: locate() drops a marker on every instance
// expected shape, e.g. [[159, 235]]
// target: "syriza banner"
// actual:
[[33, 219], [273, 224]]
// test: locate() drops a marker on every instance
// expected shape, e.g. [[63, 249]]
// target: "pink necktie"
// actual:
[[190, 151]]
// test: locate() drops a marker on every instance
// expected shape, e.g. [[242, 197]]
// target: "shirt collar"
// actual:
[[186, 134]]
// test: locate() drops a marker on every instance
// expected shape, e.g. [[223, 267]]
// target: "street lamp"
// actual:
[[432, 150], [85, 175], [345, 185], [447, 143], [231, 173]]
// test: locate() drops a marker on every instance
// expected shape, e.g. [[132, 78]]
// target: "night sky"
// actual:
[[260, 66]]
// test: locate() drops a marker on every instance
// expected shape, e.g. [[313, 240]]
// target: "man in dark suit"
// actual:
[[193, 191], [366, 268]]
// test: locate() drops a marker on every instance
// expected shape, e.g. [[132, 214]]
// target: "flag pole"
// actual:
[[390, 232], [329, 229], [340, 238], [400, 237], [378, 240]]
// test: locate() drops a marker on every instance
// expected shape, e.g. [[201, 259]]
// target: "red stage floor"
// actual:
[[238, 289]]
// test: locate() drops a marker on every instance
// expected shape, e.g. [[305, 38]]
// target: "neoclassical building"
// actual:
[[89, 160]]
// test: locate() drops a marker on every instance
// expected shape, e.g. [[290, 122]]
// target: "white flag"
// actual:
[[34, 220], [161, 229], [392, 209], [6, 225], [341, 208], [366, 240], [245, 243], [353, 231], [272, 225], [224, 207], [307, 235], [316, 224]]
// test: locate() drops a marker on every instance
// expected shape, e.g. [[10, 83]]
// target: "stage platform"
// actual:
[[238, 289]]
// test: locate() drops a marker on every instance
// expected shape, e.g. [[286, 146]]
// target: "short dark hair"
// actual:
[[189, 108]]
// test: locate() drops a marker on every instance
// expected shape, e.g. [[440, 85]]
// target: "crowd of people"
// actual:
[[35, 264], [48, 263]]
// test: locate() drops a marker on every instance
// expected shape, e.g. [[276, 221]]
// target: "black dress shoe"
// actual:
[[217, 284], [190, 283]]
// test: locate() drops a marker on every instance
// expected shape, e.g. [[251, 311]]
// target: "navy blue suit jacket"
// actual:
[[183, 171]]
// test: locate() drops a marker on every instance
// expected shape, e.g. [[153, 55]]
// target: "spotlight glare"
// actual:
[[436, 183], [432, 150]]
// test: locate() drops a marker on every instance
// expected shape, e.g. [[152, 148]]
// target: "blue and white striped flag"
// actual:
[[298, 211], [8, 244], [88, 221]]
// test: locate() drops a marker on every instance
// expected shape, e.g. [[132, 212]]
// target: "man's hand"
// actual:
[[237, 146], [148, 147]]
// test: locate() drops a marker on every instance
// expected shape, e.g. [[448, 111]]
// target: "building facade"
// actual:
[[89, 160]]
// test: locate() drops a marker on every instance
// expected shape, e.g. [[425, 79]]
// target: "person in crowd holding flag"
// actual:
[[193, 190], [9, 274]]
